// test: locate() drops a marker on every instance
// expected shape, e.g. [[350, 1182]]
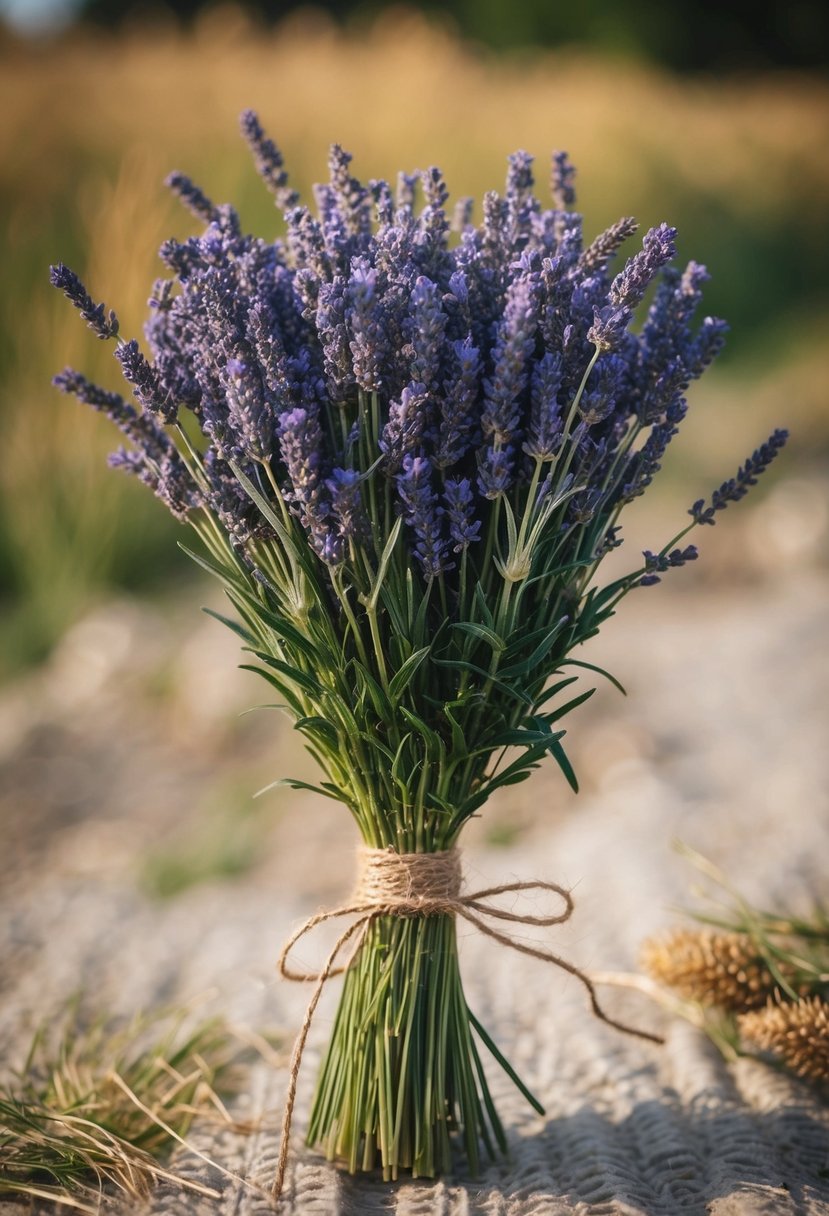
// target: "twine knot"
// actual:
[[418, 884]]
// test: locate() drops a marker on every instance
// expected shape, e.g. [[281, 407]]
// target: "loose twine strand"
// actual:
[[417, 884]]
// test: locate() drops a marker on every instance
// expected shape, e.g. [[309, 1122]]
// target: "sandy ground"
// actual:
[[137, 869]]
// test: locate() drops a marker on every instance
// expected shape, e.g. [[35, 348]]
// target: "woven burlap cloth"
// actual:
[[733, 762]]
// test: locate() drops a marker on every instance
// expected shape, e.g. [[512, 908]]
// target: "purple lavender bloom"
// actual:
[[599, 399], [351, 198], [462, 214], [562, 176], [495, 470], [520, 200], [425, 326], [474, 353], [383, 201], [141, 429], [182, 259], [249, 411], [456, 304], [268, 355], [307, 244], [464, 529], [195, 200], [628, 288], [660, 563], [434, 227], [658, 248], [169, 480], [495, 234], [737, 487], [514, 344], [406, 186], [610, 541], [268, 160], [300, 441], [460, 417], [365, 323], [344, 487], [703, 350], [423, 514], [333, 227], [155, 460], [599, 252], [404, 431], [666, 334], [231, 504], [332, 332], [146, 383], [545, 426], [609, 325], [138, 427], [102, 324], [646, 463], [688, 294]]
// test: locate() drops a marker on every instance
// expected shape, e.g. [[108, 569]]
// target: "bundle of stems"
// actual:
[[404, 445]]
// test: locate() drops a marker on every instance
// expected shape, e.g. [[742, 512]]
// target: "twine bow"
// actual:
[[418, 884]]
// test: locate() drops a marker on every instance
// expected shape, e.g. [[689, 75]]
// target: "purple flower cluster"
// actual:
[[372, 341], [659, 563], [737, 487]]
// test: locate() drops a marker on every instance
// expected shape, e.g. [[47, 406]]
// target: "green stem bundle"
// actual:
[[402, 1072]]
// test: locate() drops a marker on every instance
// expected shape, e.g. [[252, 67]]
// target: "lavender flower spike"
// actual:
[[737, 487], [426, 322], [105, 326], [368, 342], [460, 416], [544, 431], [423, 514], [346, 503], [403, 433], [561, 181], [464, 529], [268, 161], [196, 202], [513, 347], [660, 563], [300, 439], [658, 248], [147, 385], [248, 410], [628, 288], [495, 471], [601, 250]]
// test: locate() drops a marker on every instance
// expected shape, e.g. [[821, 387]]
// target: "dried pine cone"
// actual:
[[798, 1032], [721, 969]]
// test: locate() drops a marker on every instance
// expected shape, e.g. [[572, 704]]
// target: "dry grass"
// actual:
[[104, 1106]]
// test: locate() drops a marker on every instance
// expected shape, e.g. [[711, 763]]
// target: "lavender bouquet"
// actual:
[[404, 443]]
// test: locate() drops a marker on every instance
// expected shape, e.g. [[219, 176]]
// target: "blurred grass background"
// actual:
[[92, 119]]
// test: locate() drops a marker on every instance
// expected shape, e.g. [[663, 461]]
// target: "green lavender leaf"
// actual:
[[403, 678]]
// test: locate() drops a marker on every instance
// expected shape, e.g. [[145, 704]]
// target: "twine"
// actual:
[[418, 884]]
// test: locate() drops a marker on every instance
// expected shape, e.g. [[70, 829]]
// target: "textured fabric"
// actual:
[[725, 749]]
